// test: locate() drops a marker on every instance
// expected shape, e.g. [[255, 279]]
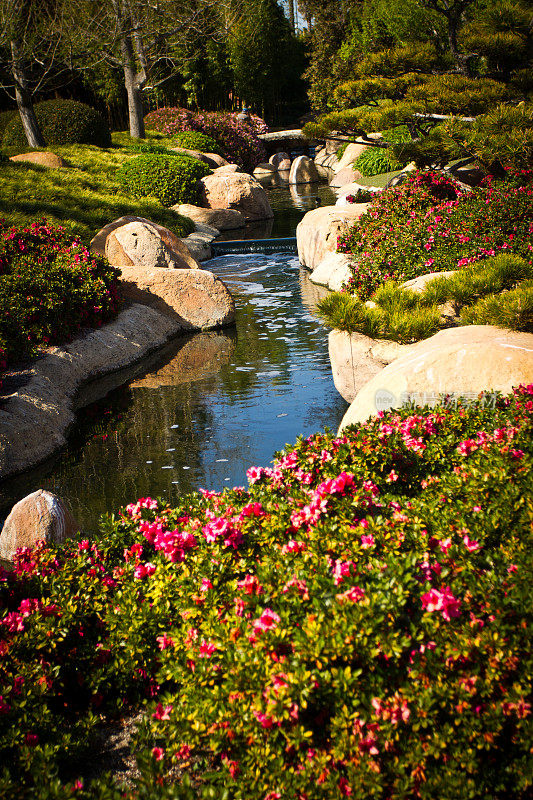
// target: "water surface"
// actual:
[[207, 407]]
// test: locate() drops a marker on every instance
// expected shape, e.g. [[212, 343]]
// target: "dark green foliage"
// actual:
[[194, 140], [62, 122], [171, 179], [5, 118]]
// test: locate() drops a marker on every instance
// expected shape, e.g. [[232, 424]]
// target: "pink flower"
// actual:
[[144, 570], [341, 570], [31, 739], [354, 595], [164, 641], [183, 751], [158, 753], [206, 585], [162, 712], [206, 649], [470, 544], [442, 601], [367, 540], [267, 621]]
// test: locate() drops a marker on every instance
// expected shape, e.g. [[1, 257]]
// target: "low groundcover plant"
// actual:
[[355, 623]]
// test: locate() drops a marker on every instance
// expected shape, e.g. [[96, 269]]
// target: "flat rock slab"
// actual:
[[35, 419], [356, 359], [223, 219], [458, 362], [50, 160], [197, 299], [319, 230]]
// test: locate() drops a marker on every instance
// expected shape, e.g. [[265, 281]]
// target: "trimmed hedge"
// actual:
[[171, 179], [62, 122], [194, 140], [50, 287], [355, 623]]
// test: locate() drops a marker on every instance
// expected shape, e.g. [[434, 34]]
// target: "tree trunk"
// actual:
[[292, 19], [135, 103], [31, 127]]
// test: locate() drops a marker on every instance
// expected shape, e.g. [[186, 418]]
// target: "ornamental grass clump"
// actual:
[[170, 178], [428, 225], [355, 623], [377, 160], [50, 287], [492, 292]]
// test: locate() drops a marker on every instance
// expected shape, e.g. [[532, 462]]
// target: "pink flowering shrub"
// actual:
[[428, 225], [238, 140], [50, 287], [355, 623]]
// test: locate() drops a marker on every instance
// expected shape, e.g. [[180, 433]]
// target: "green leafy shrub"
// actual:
[[151, 147], [428, 225], [62, 122], [376, 160], [172, 179], [194, 140], [50, 287], [356, 623]]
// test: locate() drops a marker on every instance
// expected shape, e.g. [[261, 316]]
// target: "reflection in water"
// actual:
[[217, 404]]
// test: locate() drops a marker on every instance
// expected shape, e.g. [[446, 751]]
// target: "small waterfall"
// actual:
[[235, 246]]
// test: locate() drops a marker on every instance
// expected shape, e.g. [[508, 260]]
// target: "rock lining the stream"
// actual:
[[36, 416]]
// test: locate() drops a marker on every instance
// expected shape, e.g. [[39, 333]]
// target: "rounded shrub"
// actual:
[[5, 118], [172, 179], [194, 140], [62, 122]]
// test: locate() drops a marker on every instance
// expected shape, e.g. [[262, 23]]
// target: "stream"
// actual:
[[210, 405]]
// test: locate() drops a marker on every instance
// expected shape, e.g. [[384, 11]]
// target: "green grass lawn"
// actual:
[[84, 196]]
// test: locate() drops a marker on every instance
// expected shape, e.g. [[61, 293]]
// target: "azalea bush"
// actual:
[[50, 287], [428, 225], [237, 139], [354, 623]]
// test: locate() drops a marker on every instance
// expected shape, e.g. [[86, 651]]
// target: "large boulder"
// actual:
[[170, 240], [199, 242], [458, 362], [239, 191], [319, 230], [350, 155], [333, 271], [140, 244], [279, 160], [224, 219], [419, 284], [41, 516], [226, 169], [355, 359], [345, 176], [264, 169], [50, 160], [303, 170], [196, 298]]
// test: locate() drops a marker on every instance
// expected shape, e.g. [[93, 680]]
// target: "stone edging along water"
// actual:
[[36, 418]]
